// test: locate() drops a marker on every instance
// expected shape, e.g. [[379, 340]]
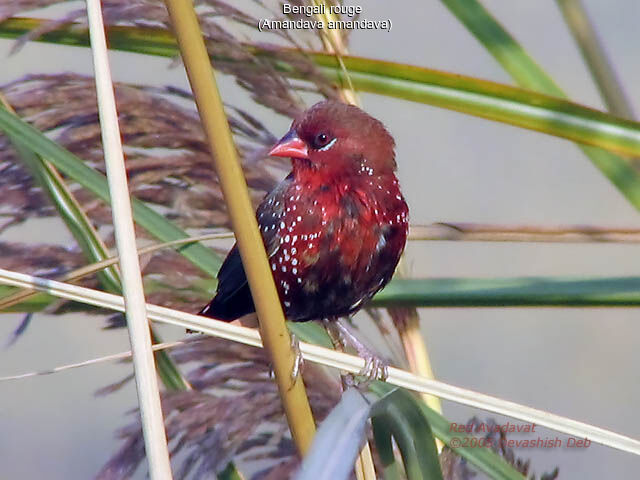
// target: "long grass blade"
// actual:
[[95, 182], [70, 210], [517, 63], [157, 347], [483, 232], [595, 57], [498, 102], [331, 358], [477, 292], [89, 241], [511, 292]]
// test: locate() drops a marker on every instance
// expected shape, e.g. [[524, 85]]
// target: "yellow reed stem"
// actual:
[[364, 464], [407, 321], [273, 330]]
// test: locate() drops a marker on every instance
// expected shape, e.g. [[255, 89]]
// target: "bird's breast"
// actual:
[[335, 245]]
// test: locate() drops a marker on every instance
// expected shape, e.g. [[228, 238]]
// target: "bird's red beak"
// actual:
[[290, 146]]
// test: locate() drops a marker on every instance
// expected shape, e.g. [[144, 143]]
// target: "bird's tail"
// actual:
[[218, 311]]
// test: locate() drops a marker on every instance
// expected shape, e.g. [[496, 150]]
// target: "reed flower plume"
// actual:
[[167, 163], [233, 412]]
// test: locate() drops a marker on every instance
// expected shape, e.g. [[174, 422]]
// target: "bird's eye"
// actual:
[[320, 140]]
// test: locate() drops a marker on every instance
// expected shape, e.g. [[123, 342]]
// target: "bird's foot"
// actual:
[[298, 362], [374, 368]]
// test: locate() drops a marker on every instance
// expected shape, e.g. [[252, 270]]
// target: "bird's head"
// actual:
[[338, 138]]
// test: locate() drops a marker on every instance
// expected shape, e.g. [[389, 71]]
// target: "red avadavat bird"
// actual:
[[334, 228]]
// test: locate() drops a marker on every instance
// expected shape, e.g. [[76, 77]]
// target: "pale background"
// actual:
[[581, 363]]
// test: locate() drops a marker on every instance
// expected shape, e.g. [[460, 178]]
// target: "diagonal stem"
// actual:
[[273, 330]]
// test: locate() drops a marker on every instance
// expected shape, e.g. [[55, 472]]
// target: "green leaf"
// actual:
[[469, 95], [464, 292], [595, 57], [511, 292], [517, 63], [311, 332], [95, 182], [484, 459], [383, 437], [72, 215], [91, 245], [230, 472], [397, 415]]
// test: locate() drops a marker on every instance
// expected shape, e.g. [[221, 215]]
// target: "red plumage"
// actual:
[[335, 228]]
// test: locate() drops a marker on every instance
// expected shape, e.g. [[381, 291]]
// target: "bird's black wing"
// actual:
[[233, 297]]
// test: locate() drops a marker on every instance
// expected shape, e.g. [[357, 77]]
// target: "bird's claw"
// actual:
[[374, 369], [298, 362]]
